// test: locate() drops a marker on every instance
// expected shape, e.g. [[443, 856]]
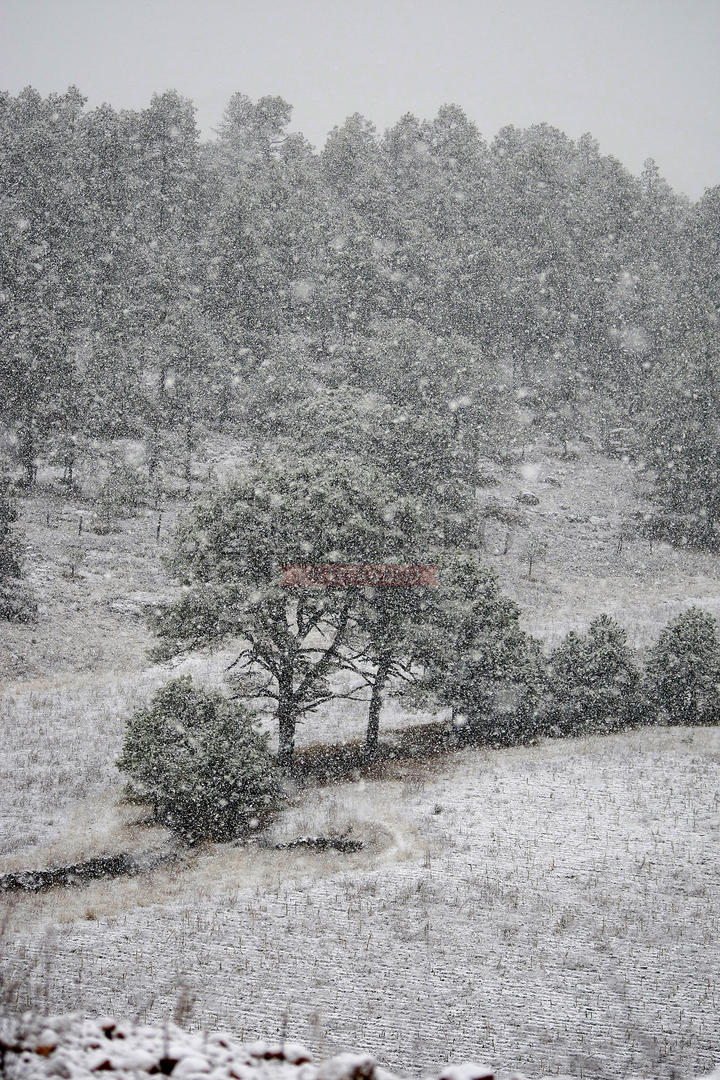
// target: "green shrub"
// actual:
[[592, 683], [683, 671], [201, 761], [476, 659]]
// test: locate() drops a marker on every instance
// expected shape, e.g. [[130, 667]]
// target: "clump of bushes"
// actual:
[[199, 758], [477, 661], [681, 529], [683, 671], [592, 683], [17, 604]]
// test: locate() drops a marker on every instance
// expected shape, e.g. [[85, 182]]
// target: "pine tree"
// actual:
[[16, 602], [592, 683], [200, 760], [683, 670], [231, 551], [683, 443], [41, 268], [474, 657]]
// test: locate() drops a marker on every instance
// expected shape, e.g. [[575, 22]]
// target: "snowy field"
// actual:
[[61, 737], [571, 880], [496, 892]]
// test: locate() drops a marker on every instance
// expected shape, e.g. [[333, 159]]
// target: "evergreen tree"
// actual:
[[683, 442], [231, 551], [41, 266], [202, 763], [702, 239], [592, 684], [683, 670], [16, 602], [473, 656], [9, 547]]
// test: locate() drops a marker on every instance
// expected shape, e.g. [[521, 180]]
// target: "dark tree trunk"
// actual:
[[286, 734], [27, 453], [153, 451], [376, 702], [189, 448]]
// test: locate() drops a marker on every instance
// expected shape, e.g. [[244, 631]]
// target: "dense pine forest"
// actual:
[[409, 299]]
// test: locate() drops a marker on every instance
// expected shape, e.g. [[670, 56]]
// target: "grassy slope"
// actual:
[[91, 623], [573, 879], [71, 678], [499, 892], [583, 506]]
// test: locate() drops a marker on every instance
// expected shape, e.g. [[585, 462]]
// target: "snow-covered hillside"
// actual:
[[496, 892]]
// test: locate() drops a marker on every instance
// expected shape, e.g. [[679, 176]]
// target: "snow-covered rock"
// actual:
[[76, 1049], [347, 1067], [468, 1070]]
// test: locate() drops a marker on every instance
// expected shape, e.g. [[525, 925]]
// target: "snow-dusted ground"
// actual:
[[60, 738], [553, 909]]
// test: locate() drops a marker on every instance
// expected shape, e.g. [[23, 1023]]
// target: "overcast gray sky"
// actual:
[[643, 76]]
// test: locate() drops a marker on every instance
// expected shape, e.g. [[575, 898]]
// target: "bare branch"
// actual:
[[238, 658]]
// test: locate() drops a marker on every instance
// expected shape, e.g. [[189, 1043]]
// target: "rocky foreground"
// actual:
[[72, 1048]]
